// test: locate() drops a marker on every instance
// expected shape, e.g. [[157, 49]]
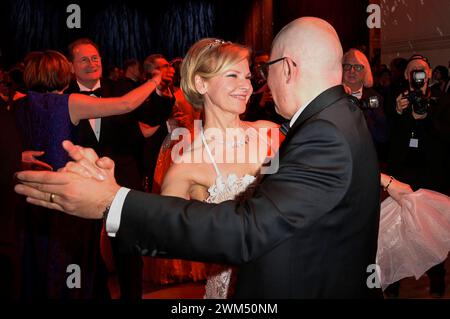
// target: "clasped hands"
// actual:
[[83, 188], [86, 186]]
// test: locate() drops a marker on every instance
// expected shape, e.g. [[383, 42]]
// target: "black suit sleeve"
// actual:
[[313, 177], [155, 110]]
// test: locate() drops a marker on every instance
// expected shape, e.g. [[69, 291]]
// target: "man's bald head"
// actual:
[[311, 42], [315, 53]]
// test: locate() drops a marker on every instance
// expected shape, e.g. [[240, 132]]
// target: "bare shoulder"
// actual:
[[262, 124], [178, 172], [184, 159], [177, 181]]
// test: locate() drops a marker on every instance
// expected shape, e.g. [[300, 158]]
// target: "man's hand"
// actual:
[[70, 193], [83, 188]]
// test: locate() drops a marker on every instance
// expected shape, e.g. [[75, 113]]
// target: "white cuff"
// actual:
[[115, 212]]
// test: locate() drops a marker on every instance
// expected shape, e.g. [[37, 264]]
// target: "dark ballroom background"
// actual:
[[135, 29]]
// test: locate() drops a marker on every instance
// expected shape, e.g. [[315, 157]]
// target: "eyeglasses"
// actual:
[[86, 60], [264, 67], [356, 67]]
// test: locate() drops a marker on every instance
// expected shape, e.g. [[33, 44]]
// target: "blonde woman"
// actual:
[[215, 78]]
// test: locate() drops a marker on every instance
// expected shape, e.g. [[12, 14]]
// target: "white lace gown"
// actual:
[[219, 276]]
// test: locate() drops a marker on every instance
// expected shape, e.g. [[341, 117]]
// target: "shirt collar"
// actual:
[[358, 93], [297, 114]]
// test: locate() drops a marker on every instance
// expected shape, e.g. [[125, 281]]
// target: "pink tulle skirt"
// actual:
[[413, 236]]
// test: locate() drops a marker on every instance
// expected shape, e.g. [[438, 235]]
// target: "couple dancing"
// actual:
[[307, 231]]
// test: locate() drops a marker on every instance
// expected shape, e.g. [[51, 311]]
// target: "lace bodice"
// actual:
[[219, 276], [227, 188]]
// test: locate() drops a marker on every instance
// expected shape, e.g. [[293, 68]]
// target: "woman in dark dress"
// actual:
[[46, 117]]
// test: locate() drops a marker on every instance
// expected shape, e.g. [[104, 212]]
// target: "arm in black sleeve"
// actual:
[[155, 110]]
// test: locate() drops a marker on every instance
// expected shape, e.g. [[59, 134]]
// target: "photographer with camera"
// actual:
[[357, 76], [420, 95], [420, 151]]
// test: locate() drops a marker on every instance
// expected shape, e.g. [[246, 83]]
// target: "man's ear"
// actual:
[[289, 70], [72, 70], [200, 84]]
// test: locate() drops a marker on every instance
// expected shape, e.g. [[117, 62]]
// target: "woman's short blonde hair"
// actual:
[[207, 58], [368, 77], [46, 71]]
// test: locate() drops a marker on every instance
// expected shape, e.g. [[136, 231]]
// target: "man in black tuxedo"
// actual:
[[357, 76], [118, 137], [308, 231]]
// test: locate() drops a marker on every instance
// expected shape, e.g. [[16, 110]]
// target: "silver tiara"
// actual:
[[217, 42]]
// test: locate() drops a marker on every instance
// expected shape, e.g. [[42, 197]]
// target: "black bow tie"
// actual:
[[97, 92], [285, 127]]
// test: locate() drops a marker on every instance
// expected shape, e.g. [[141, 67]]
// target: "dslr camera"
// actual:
[[420, 102]]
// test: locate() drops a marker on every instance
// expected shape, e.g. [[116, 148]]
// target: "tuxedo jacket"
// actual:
[[375, 118], [308, 231], [120, 135]]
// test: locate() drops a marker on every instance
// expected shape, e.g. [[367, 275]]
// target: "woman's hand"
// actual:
[[86, 163], [156, 77], [395, 188], [29, 161]]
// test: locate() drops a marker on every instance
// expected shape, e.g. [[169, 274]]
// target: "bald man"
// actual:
[[308, 231]]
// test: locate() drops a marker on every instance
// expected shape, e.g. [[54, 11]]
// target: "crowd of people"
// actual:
[[244, 233]]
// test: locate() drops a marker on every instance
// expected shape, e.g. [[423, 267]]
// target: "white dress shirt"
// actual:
[[95, 123], [297, 114], [358, 93], [115, 212]]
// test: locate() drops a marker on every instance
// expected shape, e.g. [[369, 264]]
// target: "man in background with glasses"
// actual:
[[357, 76], [120, 138]]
